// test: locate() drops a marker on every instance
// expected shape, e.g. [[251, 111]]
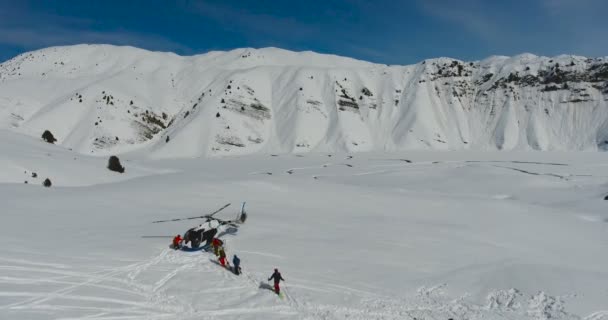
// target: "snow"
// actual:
[[378, 191], [103, 100], [463, 235]]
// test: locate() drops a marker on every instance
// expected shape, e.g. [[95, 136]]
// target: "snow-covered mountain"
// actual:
[[101, 99]]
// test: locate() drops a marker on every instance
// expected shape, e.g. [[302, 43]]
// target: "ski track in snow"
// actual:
[[177, 285], [151, 281]]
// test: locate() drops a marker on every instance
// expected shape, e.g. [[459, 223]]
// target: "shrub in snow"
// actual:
[[47, 182], [48, 137], [167, 140], [606, 197], [34, 175], [114, 165], [217, 115]]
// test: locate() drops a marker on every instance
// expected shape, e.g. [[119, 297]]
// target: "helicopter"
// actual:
[[209, 229]]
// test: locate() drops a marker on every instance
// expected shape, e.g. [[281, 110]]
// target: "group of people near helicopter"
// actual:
[[206, 233]]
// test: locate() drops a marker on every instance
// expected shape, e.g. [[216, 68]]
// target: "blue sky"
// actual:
[[383, 31]]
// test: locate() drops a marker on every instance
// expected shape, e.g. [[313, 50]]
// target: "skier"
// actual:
[[177, 242], [217, 244], [277, 278], [222, 259], [236, 263]]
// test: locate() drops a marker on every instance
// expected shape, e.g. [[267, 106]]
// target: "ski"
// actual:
[[191, 218]]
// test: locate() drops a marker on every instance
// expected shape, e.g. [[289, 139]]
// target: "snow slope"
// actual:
[[100, 99], [424, 235]]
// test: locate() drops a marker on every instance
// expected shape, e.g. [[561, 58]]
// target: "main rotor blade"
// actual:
[[191, 218]]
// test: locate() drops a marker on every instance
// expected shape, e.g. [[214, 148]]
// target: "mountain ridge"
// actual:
[[103, 99]]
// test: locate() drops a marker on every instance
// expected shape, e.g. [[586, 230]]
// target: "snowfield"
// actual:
[[400, 235]]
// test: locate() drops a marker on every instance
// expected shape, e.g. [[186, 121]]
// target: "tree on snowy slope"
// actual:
[[114, 164], [48, 137]]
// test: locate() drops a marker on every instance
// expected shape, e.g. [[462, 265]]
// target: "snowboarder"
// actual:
[[222, 259], [277, 278], [177, 242], [236, 264], [217, 244]]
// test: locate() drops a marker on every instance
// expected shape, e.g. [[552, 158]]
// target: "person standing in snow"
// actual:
[[217, 244], [177, 242], [222, 259], [236, 263], [277, 278]]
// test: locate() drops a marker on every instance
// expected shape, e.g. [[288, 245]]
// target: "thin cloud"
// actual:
[[29, 30], [566, 6], [28, 38], [260, 24], [464, 13]]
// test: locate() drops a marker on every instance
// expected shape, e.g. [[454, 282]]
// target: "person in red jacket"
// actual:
[[277, 278], [177, 242]]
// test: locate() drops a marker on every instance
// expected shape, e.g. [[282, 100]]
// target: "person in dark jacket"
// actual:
[[236, 262], [277, 278], [193, 236], [209, 235]]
